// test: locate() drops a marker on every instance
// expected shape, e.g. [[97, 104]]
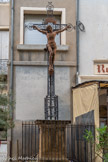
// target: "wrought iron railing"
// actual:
[[55, 142], [3, 66]]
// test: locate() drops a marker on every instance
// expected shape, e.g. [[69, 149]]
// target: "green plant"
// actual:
[[6, 121], [101, 141]]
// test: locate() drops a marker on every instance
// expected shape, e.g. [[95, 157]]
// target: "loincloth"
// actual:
[[52, 45]]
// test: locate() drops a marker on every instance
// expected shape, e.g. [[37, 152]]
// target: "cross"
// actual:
[[51, 29], [50, 20]]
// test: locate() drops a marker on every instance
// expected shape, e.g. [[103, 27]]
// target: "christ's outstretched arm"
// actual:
[[36, 28], [59, 31]]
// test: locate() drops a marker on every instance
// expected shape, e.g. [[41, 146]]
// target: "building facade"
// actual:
[[4, 55], [92, 43], [28, 62], [92, 47], [4, 36]]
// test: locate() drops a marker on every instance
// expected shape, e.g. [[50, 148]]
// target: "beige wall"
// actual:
[[65, 55], [30, 58], [34, 56], [4, 15], [69, 5]]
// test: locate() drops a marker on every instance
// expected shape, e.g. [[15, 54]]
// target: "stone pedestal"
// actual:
[[52, 140]]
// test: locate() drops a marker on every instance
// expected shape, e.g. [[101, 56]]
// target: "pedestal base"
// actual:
[[52, 140]]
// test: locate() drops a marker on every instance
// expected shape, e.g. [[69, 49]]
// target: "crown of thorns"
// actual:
[[48, 27]]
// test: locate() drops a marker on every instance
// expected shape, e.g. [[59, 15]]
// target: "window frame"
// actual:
[[38, 10]]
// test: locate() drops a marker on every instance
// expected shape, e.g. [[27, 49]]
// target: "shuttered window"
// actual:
[[4, 44], [35, 37], [4, 51]]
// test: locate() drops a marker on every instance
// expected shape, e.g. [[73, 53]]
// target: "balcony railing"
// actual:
[[3, 66]]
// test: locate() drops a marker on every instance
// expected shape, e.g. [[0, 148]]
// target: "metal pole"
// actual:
[[51, 100], [11, 68], [12, 42], [77, 40]]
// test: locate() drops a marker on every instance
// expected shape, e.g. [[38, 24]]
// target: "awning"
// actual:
[[100, 83]]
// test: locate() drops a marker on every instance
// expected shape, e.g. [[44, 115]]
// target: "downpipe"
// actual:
[[11, 66], [77, 41]]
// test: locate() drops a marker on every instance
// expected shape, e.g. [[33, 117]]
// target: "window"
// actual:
[[4, 50], [4, 44], [35, 37], [4, 0], [31, 14]]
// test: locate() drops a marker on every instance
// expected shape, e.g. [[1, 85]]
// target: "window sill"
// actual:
[[43, 63], [4, 28], [21, 47], [4, 142], [4, 2]]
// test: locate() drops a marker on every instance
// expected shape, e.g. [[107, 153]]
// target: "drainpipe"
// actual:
[[77, 41], [11, 66]]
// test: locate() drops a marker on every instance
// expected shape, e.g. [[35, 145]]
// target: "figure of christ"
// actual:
[[51, 44]]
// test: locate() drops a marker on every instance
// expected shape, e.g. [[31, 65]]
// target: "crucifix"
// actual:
[[50, 28], [51, 44]]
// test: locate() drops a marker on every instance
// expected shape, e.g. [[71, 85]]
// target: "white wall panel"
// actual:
[[94, 41]]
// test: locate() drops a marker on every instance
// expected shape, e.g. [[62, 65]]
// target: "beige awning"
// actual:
[[86, 105]]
